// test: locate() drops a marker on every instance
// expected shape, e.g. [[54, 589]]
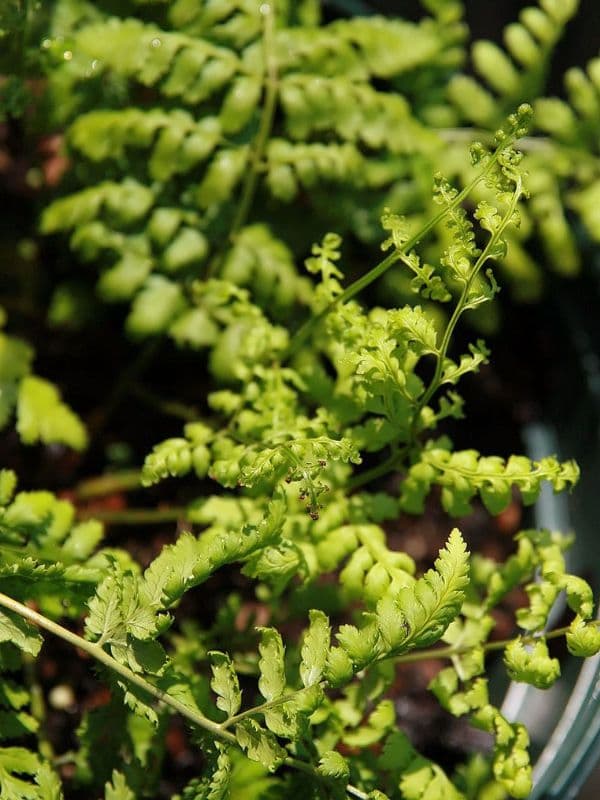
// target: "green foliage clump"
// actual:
[[211, 144]]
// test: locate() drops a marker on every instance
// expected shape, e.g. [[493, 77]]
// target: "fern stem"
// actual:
[[101, 485], [450, 651], [271, 84], [197, 718], [266, 121], [135, 516], [311, 323], [96, 652], [379, 269], [251, 712], [354, 792], [379, 470]]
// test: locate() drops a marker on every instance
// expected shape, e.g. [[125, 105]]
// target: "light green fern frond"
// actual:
[[464, 474]]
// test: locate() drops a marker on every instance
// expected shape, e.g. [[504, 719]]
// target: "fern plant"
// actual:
[[296, 415], [211, 144]]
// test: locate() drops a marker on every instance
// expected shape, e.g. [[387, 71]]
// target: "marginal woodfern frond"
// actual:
[[414, 616], [195, 154], [41, 414], [517, 76], [436, 598], [464, 474]]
